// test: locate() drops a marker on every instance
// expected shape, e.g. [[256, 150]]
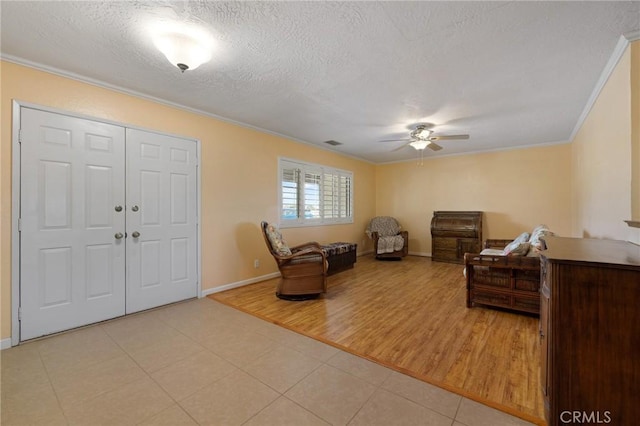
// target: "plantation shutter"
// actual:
[[344, 197], [311, 194], [290, 205], [328, 201], [312, 182]]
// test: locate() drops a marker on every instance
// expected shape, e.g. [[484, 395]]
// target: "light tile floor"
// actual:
[[201, 362]]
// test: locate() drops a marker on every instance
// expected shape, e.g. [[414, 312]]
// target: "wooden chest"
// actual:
[[454, 233]]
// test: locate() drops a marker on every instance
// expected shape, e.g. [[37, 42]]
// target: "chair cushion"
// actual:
[[277, 242], [335, 249], [307, 258]]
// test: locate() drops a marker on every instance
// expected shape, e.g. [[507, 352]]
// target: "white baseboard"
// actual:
[[5, 343], [419, 253], [411, 253], [254, 280], [237, 284]]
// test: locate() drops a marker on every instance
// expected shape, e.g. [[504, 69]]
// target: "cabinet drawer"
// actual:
[[490, 298], [492, 277], [529, 304], [445, 255], [527, 280], [445, 243]]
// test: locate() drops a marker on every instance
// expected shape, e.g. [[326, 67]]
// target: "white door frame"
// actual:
[[15, 203]]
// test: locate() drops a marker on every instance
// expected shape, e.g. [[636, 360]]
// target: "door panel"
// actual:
[[80, 262], [161, 185], [71, 266]]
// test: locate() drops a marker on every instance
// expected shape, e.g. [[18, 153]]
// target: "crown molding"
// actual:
[[618, 51], [129, 92]]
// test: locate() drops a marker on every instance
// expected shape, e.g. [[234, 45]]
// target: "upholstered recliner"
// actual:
[[388, 239], [303, 267]]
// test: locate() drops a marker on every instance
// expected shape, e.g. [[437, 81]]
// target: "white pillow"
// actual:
[[539, 232], [517, 248]]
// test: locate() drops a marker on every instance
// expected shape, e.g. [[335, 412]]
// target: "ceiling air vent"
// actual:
[[333, 143]]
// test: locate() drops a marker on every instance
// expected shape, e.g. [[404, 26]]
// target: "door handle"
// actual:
[[119, 236], [135, 234]]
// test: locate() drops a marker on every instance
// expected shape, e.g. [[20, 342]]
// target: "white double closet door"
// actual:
[[108, 221]]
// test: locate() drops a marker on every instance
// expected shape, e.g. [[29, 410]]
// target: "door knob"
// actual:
[[134, 208], [119, 236], [118, 208], [135, 234]]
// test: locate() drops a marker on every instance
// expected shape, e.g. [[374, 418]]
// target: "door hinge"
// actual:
[[19, 224], [20, 313], [19, 135]]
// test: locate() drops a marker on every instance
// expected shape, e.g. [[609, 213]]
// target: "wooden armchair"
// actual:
[[303, 267], [389, 241]]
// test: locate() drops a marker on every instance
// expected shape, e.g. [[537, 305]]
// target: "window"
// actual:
[[311, 194]]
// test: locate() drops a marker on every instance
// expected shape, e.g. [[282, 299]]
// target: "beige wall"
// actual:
[[517, 189], [581, 189], [602, 160], [239, 175]]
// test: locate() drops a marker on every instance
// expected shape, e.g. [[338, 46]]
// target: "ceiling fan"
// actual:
[[420, 138]]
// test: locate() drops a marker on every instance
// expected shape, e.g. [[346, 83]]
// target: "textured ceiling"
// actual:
[[507, 73]]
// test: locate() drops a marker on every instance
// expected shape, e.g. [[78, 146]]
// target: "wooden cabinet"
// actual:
[[590, 331], [455, 233]]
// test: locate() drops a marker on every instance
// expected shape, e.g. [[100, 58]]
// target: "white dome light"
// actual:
[[185, 47], [420, 144]]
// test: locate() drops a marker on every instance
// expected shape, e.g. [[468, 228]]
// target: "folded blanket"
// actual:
[[390, 244]]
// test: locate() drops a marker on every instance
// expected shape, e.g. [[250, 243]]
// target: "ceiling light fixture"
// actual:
[[184, 46], [421, 133], [419, 144]]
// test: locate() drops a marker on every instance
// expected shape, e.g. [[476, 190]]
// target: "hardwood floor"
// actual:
[[411, 315]]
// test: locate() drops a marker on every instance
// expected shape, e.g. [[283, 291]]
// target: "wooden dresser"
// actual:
[[590, 331], [455, 233]]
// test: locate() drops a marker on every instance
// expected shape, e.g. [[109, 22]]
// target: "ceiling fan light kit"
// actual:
[[421, 132], [420, 138], [419, 144]]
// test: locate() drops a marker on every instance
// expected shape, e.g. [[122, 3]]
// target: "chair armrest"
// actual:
[[310, 244], [308, 251], [404, 234], [298, 253]]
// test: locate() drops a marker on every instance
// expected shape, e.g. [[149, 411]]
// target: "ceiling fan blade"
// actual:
[[395, 140], [434, 147], [448, 137], [400, 147]]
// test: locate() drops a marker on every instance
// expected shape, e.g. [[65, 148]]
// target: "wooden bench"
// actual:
[[340, 256], [511, 282]]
